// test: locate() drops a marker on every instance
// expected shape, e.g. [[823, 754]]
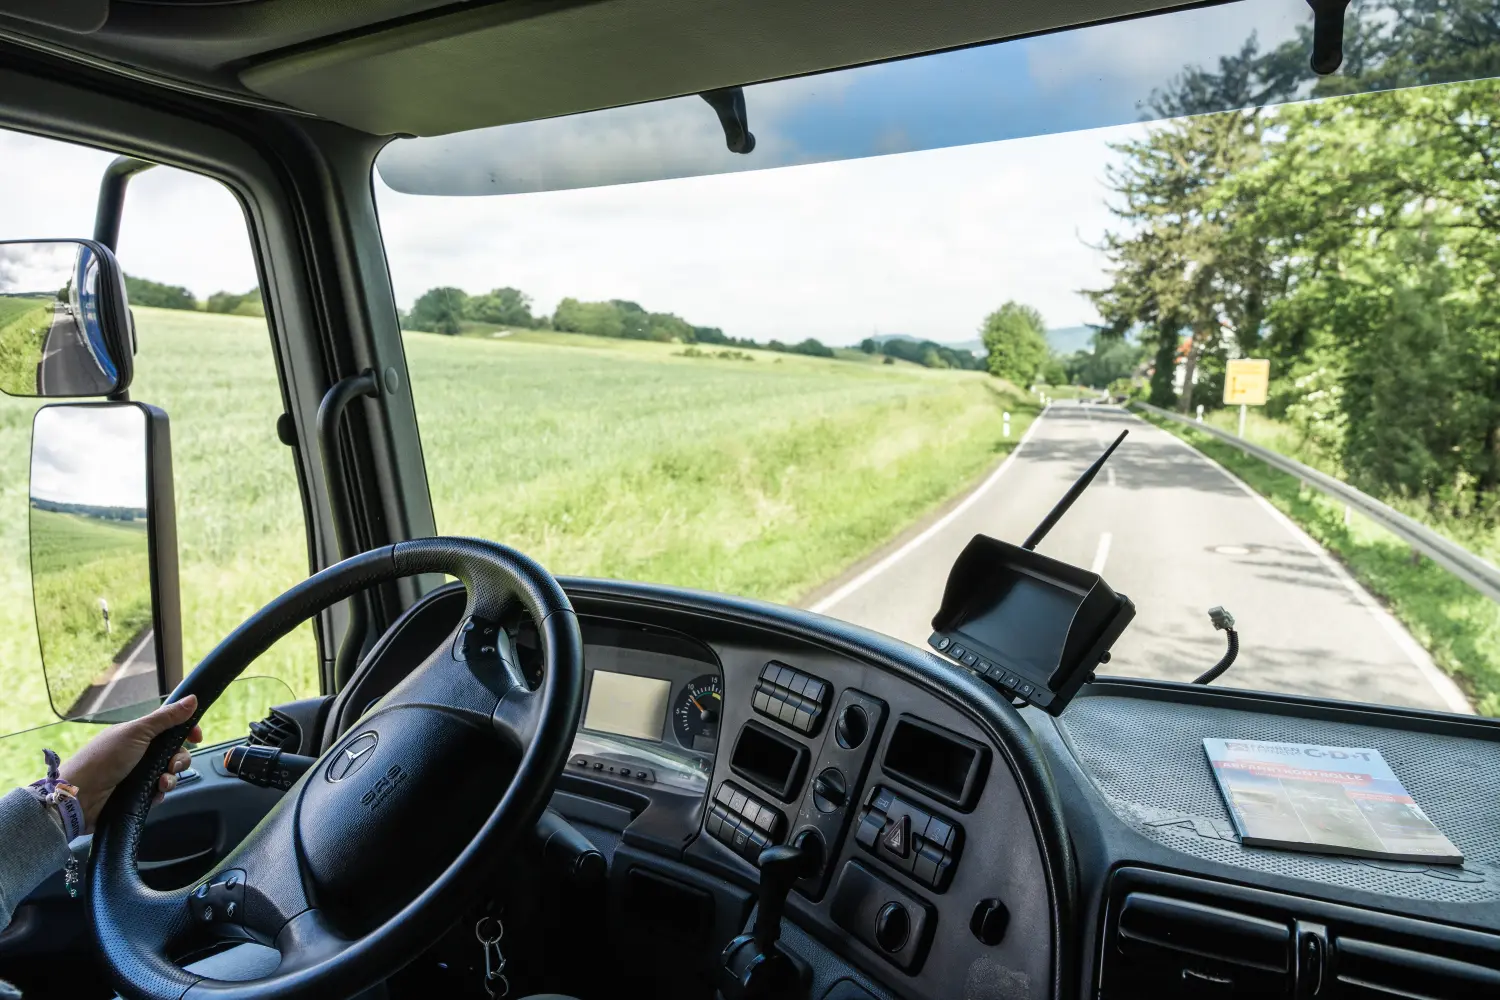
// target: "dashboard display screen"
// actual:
[[627, 705], [1026, 621]]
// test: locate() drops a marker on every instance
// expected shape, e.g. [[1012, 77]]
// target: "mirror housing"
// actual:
[[104, 558], [65, 326]]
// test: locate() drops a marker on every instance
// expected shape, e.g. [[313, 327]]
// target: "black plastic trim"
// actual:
[[996, 717]]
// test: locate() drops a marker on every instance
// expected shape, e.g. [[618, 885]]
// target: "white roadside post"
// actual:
[[1242, 420], [1200, 413], [1005, 424]]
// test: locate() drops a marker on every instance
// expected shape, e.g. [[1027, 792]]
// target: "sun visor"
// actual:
[[524, 60]]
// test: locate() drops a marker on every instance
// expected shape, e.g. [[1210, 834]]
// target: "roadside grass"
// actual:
[[24, 323], [1459, 627], [239, 522], [77, 560], [631, 462], [1476, 534], [599, 457]]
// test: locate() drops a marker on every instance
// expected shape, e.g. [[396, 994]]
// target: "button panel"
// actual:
[[220, 899], [1011, 684], [791, 697], [894, 924], [907, 837], [602, 766], [743, 822], [840, 762]]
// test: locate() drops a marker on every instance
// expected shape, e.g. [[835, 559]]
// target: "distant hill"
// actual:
[[1067, 339]]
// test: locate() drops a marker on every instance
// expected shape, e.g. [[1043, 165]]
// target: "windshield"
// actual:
[[811, 367]]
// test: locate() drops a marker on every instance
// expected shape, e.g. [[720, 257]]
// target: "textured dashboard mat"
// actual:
[[1146, 758]]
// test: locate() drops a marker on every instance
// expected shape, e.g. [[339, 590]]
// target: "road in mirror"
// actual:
[[52, 340], [90, 561]]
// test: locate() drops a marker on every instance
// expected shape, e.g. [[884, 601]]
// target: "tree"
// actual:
[[438, 310], [1107, 360], [501, 306], [1016, 338], [245, 304], [144, 292], [601, 319]]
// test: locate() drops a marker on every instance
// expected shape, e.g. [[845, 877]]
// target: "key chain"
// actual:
[[494, 961]]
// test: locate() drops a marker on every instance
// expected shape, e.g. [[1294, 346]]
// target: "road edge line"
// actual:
[[1442, 685], [844, 591]]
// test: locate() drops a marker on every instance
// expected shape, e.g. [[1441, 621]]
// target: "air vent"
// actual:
[[1170, 935], [1370, 969], [1173, 947], [276, 730]]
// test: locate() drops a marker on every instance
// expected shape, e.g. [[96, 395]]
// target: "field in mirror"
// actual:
[[90, 558], [53, 340]]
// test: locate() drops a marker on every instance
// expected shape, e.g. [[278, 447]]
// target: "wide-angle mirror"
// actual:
[[104, 558], [64, 322]]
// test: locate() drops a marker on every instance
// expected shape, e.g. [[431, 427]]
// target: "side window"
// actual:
[[204, 356]]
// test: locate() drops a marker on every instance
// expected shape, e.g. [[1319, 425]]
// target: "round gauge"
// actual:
[[696, 712]]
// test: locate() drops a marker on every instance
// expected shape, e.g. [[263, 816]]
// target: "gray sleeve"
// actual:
[[31, 848]]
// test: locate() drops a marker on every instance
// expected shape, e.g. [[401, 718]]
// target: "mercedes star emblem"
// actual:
[[353, 756]]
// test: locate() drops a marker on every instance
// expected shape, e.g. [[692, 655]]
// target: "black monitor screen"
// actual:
[[1023, 619]]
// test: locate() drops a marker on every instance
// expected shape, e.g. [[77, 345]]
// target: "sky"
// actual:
[[924, 242], [92, 455]]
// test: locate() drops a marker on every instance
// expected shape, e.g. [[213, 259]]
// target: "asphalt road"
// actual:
[[1177, 534], [68, 367], [131, 680]]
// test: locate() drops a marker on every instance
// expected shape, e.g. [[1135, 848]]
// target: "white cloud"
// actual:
[[923, 243], [1132, 55], [35, 267], [178, 227], [90, 455]]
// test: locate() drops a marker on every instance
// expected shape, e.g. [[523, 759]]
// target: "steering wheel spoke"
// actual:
[[353, 873]]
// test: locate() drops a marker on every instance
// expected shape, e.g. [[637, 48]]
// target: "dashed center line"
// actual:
[[1101, 554]]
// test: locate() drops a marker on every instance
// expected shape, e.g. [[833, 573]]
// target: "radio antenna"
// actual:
[[1074, 491]]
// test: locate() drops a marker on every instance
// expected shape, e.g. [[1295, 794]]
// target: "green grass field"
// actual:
[[24, 323], [608, 457], [77, 560], [1456, 624]]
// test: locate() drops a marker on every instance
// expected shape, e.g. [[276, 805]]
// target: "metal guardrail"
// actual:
[[1478, 573]]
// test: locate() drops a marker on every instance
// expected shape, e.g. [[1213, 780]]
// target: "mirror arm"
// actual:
[[729, 104], [107, 217], [112, 198]]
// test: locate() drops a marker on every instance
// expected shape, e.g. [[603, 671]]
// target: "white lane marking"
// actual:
[[859, 581], [123, 669], [1441, 683], [1101, 554], [1109, 473]]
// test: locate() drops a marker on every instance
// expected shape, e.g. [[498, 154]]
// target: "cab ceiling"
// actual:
[[421, 67]]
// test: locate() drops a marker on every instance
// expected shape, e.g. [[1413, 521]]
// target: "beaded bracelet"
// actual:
[[62, 796]]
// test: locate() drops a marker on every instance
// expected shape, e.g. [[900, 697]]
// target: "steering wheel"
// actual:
[[387, 840]]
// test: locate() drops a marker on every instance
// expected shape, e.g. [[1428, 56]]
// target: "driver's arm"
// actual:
[[34, 827]]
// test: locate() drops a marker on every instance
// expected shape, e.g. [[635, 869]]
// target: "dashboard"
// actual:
[[968, 849]]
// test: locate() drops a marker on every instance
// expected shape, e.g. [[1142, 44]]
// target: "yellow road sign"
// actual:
[[1245, 381]]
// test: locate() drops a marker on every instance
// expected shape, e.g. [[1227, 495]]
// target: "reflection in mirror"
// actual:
[[91, 560], [57, 310]]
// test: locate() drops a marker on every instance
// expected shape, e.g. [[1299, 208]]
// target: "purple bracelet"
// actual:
[[58, 793]]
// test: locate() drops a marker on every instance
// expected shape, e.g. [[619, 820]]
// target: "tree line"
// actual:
[[145, 292], [1354, 241], [449, 310]]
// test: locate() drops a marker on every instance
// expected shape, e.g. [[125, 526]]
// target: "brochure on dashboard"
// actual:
[[1335, 800]]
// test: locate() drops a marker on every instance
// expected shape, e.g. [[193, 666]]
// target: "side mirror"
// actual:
[[64, 320], [104, 558]]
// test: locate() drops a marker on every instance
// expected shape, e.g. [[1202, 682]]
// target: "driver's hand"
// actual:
[[107, 758]]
